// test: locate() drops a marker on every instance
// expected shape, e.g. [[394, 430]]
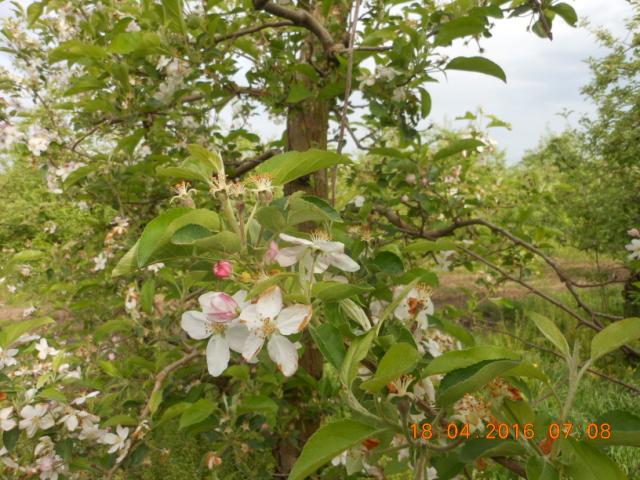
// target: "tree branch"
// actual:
[[248, 31], [301, 18], [251, 163]]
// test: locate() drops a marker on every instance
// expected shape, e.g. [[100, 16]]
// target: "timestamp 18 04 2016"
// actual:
[[505, 431]]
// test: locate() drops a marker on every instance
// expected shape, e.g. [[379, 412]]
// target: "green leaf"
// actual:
[[129, 42], [332, 291], [330, 212], [172, 412], [75, 51], [479, 65], [53, 394], [329, 342], [401, 358], [298, 93], [123, 420], [467, 380], [288, 166], [567, 13], [457, 147], [189, 234], [425, 246], [588, 463], [301, 211], [455, 359], [161, 229], [197, 413], [538, 469], [110, 327], [389, 263], [259, 405], [551, 332], [27, 256], [84, 84], [206, 157], [10, 333], [527, 369], [10, 438], [459, 27], [625, 429], [355, 354], [271, 218], [147, 293], [173, 10], [330, 440], [227, 242], [155, 401], [127, 263], [614, 336], [475, 448], [34, 11]]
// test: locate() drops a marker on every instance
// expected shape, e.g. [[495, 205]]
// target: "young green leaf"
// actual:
[[455, 359], [355, 354], [588, 463], [197, 412], [478, 65], [288, 166], [10, 333], [329, 342], [551, 332], [329, 441], [614, 336], [401, 358]]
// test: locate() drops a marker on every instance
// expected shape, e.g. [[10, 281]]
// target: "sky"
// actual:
[[544, 77]]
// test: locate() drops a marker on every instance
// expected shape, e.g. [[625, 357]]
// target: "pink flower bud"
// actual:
[[424, 181], [634, 232], [219, 307], [222, 269], [272, 252]]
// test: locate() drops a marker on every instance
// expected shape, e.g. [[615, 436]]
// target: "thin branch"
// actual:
[[159, 380], [597, 373], [347, 94], [248, 31], [511, 465], [246, 165]]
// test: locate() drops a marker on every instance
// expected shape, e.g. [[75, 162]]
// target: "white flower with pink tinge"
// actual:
[[416, 305], [217, 322], [319, 252], [266, 319]]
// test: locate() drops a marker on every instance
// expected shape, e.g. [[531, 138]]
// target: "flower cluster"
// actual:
[[232, 323]]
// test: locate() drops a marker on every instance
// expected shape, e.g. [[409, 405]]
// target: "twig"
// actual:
[[251, 163], [250, 30], [159, 380], [347, 94]]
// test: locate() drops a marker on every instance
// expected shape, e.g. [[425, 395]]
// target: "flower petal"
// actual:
[[252, 346], [289, 256], [343, 262], [293, 319], [205, 300], [240, 297], [295, 240], [217, 355], [236, 335], [195, 324], [329, 247], [283, 353], [250, 317], [270, 303]]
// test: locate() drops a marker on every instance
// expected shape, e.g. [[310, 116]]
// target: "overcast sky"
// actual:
[[543, 77]]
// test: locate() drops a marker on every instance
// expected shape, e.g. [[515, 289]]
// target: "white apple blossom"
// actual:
[[416, 305], [27, 312], [217, 322], [443, 260], [118, 440], [35, 418], [39, 141], [100, 262], [634, 248], [399, 94], [366, 79], [44, 350], [319, 252], [155, 267], [358, 201], [7, 357], [266, 319], [12, 288], [7, 422]]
